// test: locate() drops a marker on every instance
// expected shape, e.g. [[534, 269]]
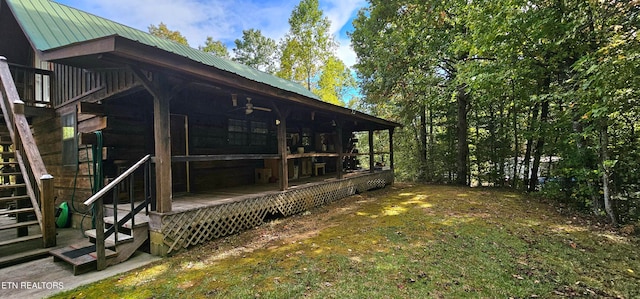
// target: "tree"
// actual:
[[307, 46], [215, 47], [164, 32], [407, 49], [335, 81], [256, 50]]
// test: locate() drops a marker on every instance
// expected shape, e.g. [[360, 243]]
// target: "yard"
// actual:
[[405, 241]]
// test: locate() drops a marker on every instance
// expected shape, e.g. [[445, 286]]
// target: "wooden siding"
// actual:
[[72, 84]]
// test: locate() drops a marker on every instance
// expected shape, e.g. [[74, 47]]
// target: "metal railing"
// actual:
[[97, 200]]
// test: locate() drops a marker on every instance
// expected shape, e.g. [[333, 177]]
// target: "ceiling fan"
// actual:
[[249, 107]]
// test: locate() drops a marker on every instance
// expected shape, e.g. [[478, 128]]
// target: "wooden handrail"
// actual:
[[26, 149], [117, 180]]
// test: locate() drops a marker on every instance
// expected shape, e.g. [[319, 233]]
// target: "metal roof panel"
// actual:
[[50, 25]]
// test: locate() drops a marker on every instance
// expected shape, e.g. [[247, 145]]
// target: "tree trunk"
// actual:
[[463, 143], [606, 173], [423, 143], [539, 147], [431, 147], [516, 151], [527, 154]]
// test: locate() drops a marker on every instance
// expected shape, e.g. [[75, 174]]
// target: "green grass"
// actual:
[[401, 242]]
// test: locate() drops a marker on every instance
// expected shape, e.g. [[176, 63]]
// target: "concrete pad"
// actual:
[[44, 277]]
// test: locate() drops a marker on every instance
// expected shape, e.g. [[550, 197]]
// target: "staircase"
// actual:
[[118, 235], [18, 221], [27, 223], [130, 237]]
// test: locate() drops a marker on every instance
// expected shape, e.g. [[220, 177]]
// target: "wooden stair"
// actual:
[[17, 212], [83, 256]]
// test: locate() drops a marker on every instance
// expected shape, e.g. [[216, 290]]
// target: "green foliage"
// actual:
[[162, 31], [549, 80], [308, 44], [335, 81], [256, 50], [215, 47]]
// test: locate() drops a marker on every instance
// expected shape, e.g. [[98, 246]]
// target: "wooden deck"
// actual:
[[189, 201], [198, 217]]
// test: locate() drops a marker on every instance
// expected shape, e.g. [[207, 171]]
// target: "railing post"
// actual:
[[47, 202], [101, 263]]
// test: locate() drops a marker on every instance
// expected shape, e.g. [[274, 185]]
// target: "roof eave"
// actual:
[[138, 54]]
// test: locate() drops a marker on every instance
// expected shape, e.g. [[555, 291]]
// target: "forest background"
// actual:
[[537, 95]]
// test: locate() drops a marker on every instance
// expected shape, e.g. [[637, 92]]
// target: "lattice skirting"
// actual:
[[184, 229]]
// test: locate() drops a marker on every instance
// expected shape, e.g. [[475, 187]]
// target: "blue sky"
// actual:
[[222, 19]]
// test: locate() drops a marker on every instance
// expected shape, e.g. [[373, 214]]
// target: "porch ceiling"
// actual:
[[116, 51]]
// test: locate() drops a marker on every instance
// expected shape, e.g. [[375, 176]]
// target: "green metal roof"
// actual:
[[50, 25]]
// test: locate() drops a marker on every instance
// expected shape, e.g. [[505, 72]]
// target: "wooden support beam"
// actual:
[[282, 151], [91, 108], [371, 156], [101, 257], [47, 201], [162, 92], [339, 149], [391, 148], [162, 137], [92, 124]]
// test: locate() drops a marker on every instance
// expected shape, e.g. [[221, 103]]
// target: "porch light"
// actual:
[[277, 122], [234, 100]]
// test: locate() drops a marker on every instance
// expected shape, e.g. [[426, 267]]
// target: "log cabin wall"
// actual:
[[215, 127]]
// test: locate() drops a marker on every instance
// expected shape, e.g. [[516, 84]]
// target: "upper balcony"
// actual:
[[34, 85]]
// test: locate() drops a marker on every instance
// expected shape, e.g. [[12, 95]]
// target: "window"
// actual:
[[69, 143], [259, 133], [238, 132], [244, 132]]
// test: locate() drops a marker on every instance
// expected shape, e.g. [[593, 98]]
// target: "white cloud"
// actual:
[[220, 19]]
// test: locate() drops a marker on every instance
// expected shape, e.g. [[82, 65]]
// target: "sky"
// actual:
[[223, 20]]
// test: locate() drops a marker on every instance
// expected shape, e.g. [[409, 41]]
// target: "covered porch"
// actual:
[[207, 126]]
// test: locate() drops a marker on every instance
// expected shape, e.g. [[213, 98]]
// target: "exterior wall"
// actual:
[[172, 232], [48, 135]]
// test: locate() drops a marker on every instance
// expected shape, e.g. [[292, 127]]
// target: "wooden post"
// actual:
[[282, 151], [371, 157], [339, 150], [47, 201], [161, 130], [161, 92], [101, 262], [391, 147]]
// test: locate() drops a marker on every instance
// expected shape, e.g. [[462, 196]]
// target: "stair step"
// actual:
[[10, 186], [140, 221], [110, 241], [82, 257], [8, 162], [10, 173], [20, 240], [4, 153], [19, 224], [16, 211], [13, 198], [22, 257]]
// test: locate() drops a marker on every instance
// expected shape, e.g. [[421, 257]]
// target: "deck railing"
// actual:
[[34, 86], [37, 180], [97, 201]]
